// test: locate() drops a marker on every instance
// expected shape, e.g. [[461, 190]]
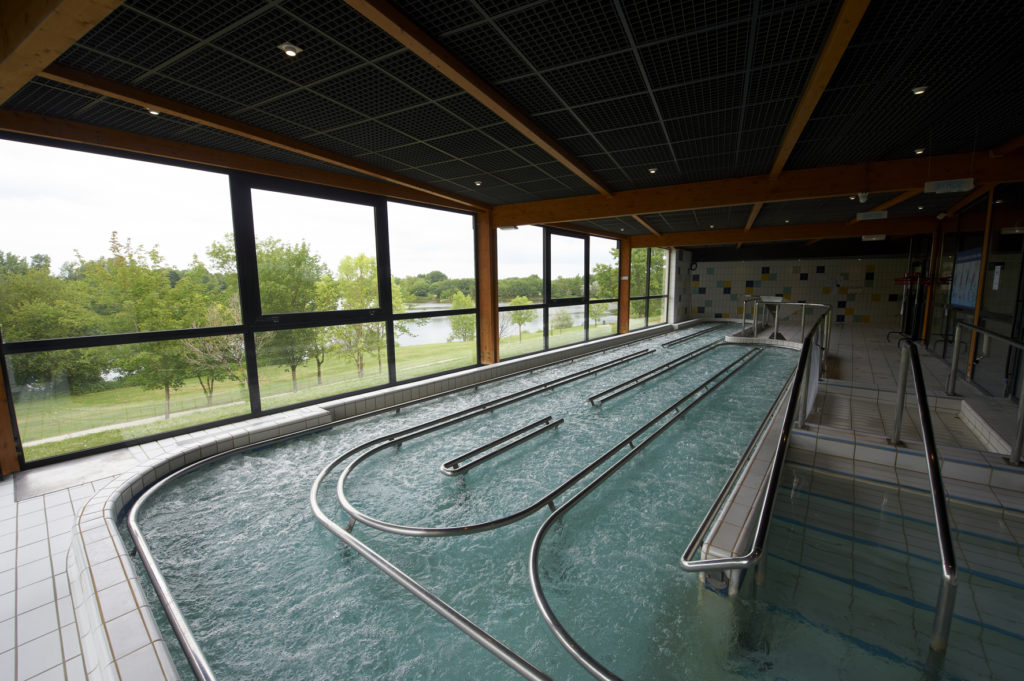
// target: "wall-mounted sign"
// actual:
[[966, 277]]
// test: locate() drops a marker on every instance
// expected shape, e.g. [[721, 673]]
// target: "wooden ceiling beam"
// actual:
[[647, 225], [154, 102], [818, 230], [1008, 147], [791, 185], [402, 29], [838, 39], [755, 210], [895, 201], [33, 33], [107, 138], [966, 201]]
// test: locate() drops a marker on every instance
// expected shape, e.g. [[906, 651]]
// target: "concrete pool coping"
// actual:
[[117, 630]]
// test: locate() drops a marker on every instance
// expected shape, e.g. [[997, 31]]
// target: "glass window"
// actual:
[[67, 400], [296, 365], [433, 344], [658, 276], [604, 269], [638, 272], [603, 318], [520, 331], [566, 325], [433, 265], [95, 244], [567, 257], [314, 254], [520, 265]]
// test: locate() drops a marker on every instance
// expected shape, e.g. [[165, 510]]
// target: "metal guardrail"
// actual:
[[756, 551], [677, 341], [512, 440], [760, 307], [629, 384], [575, 649], [1018, 440], [947, 591]]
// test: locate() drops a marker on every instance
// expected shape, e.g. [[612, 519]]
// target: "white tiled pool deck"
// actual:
[[74, 610]]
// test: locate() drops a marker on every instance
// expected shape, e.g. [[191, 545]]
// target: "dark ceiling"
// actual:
[[694, 90]]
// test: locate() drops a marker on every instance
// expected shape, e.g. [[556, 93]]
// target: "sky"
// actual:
[[57, 202]]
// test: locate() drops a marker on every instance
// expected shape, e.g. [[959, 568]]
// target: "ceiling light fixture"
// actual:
[[852, 197], [920, 207], [711, 226], [289, 49], [919, 151], [153, 112], [478, 182], [919, 90], [999, 200], [652, 170]]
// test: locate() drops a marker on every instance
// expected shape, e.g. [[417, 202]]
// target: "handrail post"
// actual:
[[1018, 440], [775, 333], [901, 394], [951, 381], [943, 615], [743, 323], [803, 316]]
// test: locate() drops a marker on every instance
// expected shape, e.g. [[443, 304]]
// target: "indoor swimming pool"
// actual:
[[459, 486]]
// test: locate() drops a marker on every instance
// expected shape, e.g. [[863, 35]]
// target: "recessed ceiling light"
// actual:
[[920, 207], [919, 90], [852, 197], [652, 170], [787, 222], [289, 49], [153, 112], [999, 200], [478, 182], [919, 151], [711, 226]]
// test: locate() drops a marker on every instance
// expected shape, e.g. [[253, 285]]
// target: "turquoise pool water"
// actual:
[[270, 594]]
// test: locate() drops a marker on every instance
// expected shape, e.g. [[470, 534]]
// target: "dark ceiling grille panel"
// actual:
[[257, 41], [501, 160], [463, 144], [113, 114], [505, 134], [561, 124], [784, 81], [311, 110], [600, 162], [833, 209], [388, 162], [531, 94], [925, 205], [344, 25], [608, 77], [276, 124], [418, 75], [793, 33], [200, 18], [651, 21], [565, 31], [140, 40], [372, 136], [618, 113], [94, 62], [709, 54], [330, 143], [211, 69], [618, 226], [707, 125], [187, 94], [370, 91], [582, 145], [486, 52], [452, 169], [48, 98], [470, 110], [628, 138], [425, 122], [415, 155], [438, 17], [647, 158], [704, 96], [522, 175]]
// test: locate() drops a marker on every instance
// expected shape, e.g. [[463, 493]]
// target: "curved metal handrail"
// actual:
[[575, 649], [547, 499], [775, 472], [627, 385], [947, 592], [529, 431]]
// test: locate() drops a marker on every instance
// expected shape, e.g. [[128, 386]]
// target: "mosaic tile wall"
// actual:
[[861, 291]]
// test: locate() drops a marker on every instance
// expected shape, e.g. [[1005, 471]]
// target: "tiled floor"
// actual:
[[39, 635]]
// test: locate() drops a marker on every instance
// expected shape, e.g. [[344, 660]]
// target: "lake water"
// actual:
[[437, 329]]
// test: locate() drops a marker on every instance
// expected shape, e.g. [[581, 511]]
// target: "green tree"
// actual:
[[561, 319], [604, 278], [521, 317], [597, 312], [356, 287], [464, 325]]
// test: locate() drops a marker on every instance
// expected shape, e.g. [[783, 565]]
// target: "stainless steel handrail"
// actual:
[[677, 341], [1018, 440], [530, 431], [575, 649], [547, 500], [947, 592], [640, 379], [764, 516]]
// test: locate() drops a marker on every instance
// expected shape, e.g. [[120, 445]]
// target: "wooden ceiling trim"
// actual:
[[754, 211], [133, 95], [1008, 147], [839, 37], [402, 29], [107, 138], [966, 201], [791, 185], [33, 34]]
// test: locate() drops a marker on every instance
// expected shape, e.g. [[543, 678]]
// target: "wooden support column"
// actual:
[[625, 253], [933, 276], [487, 286], [985, 244], [8, 442]]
